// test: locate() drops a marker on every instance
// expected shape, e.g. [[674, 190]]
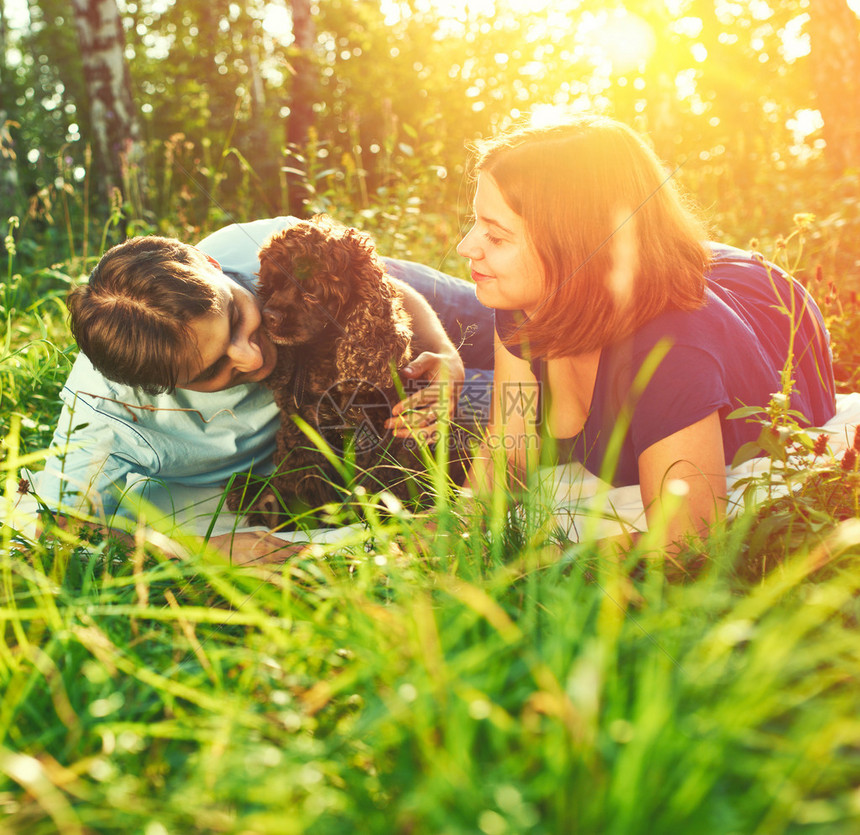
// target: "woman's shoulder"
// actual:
[[723, 253], [723, 325], [694, 327], [507, 323], [741, 271]]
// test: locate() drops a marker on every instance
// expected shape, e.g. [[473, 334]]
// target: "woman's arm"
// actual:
[[512, 428], [683, 481]]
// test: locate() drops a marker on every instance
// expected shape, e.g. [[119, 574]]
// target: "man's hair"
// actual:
[[616, 240], [132, 319]]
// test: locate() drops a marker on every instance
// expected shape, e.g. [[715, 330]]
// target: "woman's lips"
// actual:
[[478, 277]]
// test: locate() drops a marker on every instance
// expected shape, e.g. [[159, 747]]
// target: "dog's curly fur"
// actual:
[[341, 332]]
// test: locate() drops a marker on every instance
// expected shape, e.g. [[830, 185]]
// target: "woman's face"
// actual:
[[506, 269]]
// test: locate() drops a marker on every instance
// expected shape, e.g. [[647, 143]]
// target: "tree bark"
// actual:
[[301, 104], [113, 116], [8, 163], [834, 33]]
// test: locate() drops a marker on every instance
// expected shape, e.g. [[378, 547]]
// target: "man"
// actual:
[[168, 388]]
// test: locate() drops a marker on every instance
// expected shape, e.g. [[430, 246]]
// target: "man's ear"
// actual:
[[210, 259]]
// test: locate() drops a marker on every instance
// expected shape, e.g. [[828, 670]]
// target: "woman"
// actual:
[[639, 337]]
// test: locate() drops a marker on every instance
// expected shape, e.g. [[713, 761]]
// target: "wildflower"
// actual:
[[849, 460], [753, 243], [820, 445], [9, 240], [780, 242], [819, 274], [23, 486], [803, 220], [779, 400]]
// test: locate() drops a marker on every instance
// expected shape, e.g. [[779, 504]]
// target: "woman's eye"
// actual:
[[492, 238]]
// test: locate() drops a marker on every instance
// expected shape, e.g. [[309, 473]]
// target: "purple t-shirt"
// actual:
[[727, 354]]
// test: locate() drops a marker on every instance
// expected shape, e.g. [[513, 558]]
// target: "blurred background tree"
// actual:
[[254, 107], [835, 65], [113, 121]]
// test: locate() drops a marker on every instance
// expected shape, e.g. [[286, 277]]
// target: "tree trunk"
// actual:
[[116, 135], [834, 33], [257, 142], [301, 105], [8, 164], [8, 171]]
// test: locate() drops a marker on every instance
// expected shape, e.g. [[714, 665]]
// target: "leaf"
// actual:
[[773, 447], [765, 529], [747, 452], [747, 411]]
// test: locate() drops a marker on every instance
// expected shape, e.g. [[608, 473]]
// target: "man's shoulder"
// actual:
[[236, 246], [85, 380], [87, 385], [89, 392]]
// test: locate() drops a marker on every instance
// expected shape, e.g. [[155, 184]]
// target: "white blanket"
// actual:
[[584, 506]]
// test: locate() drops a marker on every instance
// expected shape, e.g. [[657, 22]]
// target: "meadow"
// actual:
[[442, 673]]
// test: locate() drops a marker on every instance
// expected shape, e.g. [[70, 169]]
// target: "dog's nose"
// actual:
[[272, 318]]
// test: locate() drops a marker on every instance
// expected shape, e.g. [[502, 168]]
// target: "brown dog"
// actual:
[[342, 333]]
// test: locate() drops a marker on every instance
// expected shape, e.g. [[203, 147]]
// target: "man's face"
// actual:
[[228, 345]]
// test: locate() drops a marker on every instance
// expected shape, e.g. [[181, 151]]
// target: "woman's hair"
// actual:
[[132, 319], [617, 243]]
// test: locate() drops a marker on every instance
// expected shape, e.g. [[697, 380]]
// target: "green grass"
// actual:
[[468, 677], [405, 688]]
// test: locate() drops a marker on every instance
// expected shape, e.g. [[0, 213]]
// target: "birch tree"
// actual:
[[114, 124]]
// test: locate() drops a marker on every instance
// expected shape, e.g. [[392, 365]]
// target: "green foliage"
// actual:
[[417, 683], [403, 84], [34, 353], [441, 673], [444, 673], [803, 495]]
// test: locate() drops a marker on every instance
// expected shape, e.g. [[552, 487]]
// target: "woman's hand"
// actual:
[[420, 412]]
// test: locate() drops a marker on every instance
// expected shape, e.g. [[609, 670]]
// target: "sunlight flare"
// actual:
[[620, 38]]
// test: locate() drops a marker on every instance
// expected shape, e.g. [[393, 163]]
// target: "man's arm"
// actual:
[[239, 548], [439, 363], [81, 474]]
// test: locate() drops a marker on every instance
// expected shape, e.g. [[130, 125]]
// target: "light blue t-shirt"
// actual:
[[109, 432]]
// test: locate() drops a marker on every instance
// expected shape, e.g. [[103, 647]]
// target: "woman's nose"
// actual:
[[466, 248]]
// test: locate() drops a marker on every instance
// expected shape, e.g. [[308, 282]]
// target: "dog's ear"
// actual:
[[377, 331], [278, 257]]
